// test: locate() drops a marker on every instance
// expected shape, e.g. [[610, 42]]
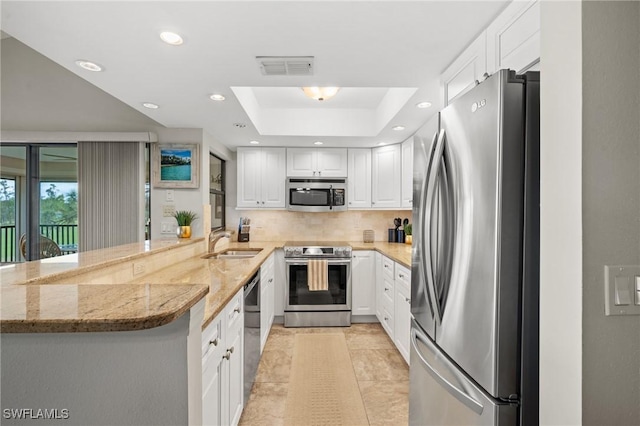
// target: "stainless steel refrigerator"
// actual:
[[474, 290]]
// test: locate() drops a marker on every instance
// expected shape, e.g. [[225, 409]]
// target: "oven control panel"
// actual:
[[317, 251]]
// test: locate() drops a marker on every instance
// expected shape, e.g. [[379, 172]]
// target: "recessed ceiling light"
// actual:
[[254, 142], [171, 38], [318, 143], [150, 105], [398, 128], [89, 66], [217, 97], [423, 105]]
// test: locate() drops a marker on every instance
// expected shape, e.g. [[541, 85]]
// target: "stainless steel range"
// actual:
[[318, 289]]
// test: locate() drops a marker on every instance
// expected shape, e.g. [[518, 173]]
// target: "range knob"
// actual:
[[297, 251]]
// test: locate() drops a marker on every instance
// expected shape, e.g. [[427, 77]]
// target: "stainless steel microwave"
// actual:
[[317, 194]]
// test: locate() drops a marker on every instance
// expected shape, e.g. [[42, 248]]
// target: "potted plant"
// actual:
[[408, 229], [184, 219]]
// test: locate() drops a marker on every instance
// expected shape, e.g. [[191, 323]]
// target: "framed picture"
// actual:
[[176, 165]]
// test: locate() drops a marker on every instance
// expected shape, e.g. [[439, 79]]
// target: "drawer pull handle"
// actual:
[[401, 276], [214, 342]]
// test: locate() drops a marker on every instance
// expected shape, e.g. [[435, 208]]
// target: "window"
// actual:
[[216, 191]]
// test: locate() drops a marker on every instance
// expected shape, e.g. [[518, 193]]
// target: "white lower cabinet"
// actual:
[[393, 301], [267, 299], [402, 311], [222, 365], [363, 281]]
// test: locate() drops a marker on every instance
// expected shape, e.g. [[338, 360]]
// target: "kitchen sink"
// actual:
[[236, 253]]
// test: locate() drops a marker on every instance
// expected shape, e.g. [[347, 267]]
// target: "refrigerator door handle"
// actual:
[[459, 394], [426, 265], [432, 177]]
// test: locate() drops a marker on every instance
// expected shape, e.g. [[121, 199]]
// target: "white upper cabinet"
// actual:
[[386, 176], [468, 68], [513, 38], [359, 178], [407, 173], [261, 177], [511, 41], [311, 162]]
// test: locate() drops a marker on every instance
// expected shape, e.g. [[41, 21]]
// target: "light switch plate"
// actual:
[[168, 210], [169, 195], [620, 293]]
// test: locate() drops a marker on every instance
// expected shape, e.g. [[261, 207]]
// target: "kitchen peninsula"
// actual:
[[114, 336]]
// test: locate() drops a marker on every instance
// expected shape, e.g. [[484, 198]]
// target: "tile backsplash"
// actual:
[[280, 225]]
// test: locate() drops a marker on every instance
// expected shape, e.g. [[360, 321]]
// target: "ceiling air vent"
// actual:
[[285, 65]]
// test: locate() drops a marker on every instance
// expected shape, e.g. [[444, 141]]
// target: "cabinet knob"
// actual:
[[386, 289], [401, 276], [406, 299], [231, 349], [263, 202], [214, 342], [373, 202], [227, 355], [320, 173], [271, 280], [237, 310], [410, 201], [257, 202], [314, 173], [385, 318]]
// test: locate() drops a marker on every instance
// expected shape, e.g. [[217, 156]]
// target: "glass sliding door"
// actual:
[[39, 201]]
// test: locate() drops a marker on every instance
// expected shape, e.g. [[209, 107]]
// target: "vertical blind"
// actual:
[[109, 191]]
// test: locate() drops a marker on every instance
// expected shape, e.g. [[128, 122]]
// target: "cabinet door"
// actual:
[[235, 365], [280, 276], [266, 299], [407, 173], [249, 177], [273, 177], [468, 68], [332, 162], [402, 319], [212, 388], [386, 176], [363, 295], [359, 178], [301, 162], [513, 38]]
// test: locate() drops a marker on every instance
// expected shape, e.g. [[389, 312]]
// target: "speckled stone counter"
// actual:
[[96, 291], [398, 252]]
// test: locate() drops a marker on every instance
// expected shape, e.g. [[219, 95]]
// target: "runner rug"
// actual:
[[323, 389]]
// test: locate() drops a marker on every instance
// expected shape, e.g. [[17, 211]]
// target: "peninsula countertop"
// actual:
[[54, 295]]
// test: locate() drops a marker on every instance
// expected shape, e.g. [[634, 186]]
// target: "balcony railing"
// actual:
[[63, 235]]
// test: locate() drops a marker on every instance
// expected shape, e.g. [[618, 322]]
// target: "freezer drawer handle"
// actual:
[[457, 393]]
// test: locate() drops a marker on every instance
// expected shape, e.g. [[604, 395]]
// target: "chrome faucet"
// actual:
[[214, 237]]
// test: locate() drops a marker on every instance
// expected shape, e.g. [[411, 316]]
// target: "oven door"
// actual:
[[336, 298]]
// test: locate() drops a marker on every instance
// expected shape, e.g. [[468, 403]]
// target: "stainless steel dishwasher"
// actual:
[[251, 332]]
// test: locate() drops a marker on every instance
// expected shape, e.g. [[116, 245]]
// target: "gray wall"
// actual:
[[38, 94], [611, 206]]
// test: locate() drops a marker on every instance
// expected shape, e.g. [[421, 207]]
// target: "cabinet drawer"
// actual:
[[403, 275], [233, 312], [388, 267], [387, 321], [387, 292], [212, 336]]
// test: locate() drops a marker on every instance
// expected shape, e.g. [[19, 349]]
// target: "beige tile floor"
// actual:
[[382, 374]]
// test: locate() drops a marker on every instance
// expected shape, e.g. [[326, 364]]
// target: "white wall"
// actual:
[[561, 213]]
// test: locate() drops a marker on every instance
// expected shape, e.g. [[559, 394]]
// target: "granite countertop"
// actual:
[[43, 296]]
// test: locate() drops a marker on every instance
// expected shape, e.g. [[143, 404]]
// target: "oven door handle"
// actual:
[[304, 261]]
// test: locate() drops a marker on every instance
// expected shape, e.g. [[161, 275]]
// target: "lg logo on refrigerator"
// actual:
[[477, 105]]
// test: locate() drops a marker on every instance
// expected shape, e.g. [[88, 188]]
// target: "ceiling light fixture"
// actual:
[[171, 38], [88, 65], [423, 105], [318, 143], [320, 93], [150, 105], [398, 128], [254, 142], [217, 97]]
